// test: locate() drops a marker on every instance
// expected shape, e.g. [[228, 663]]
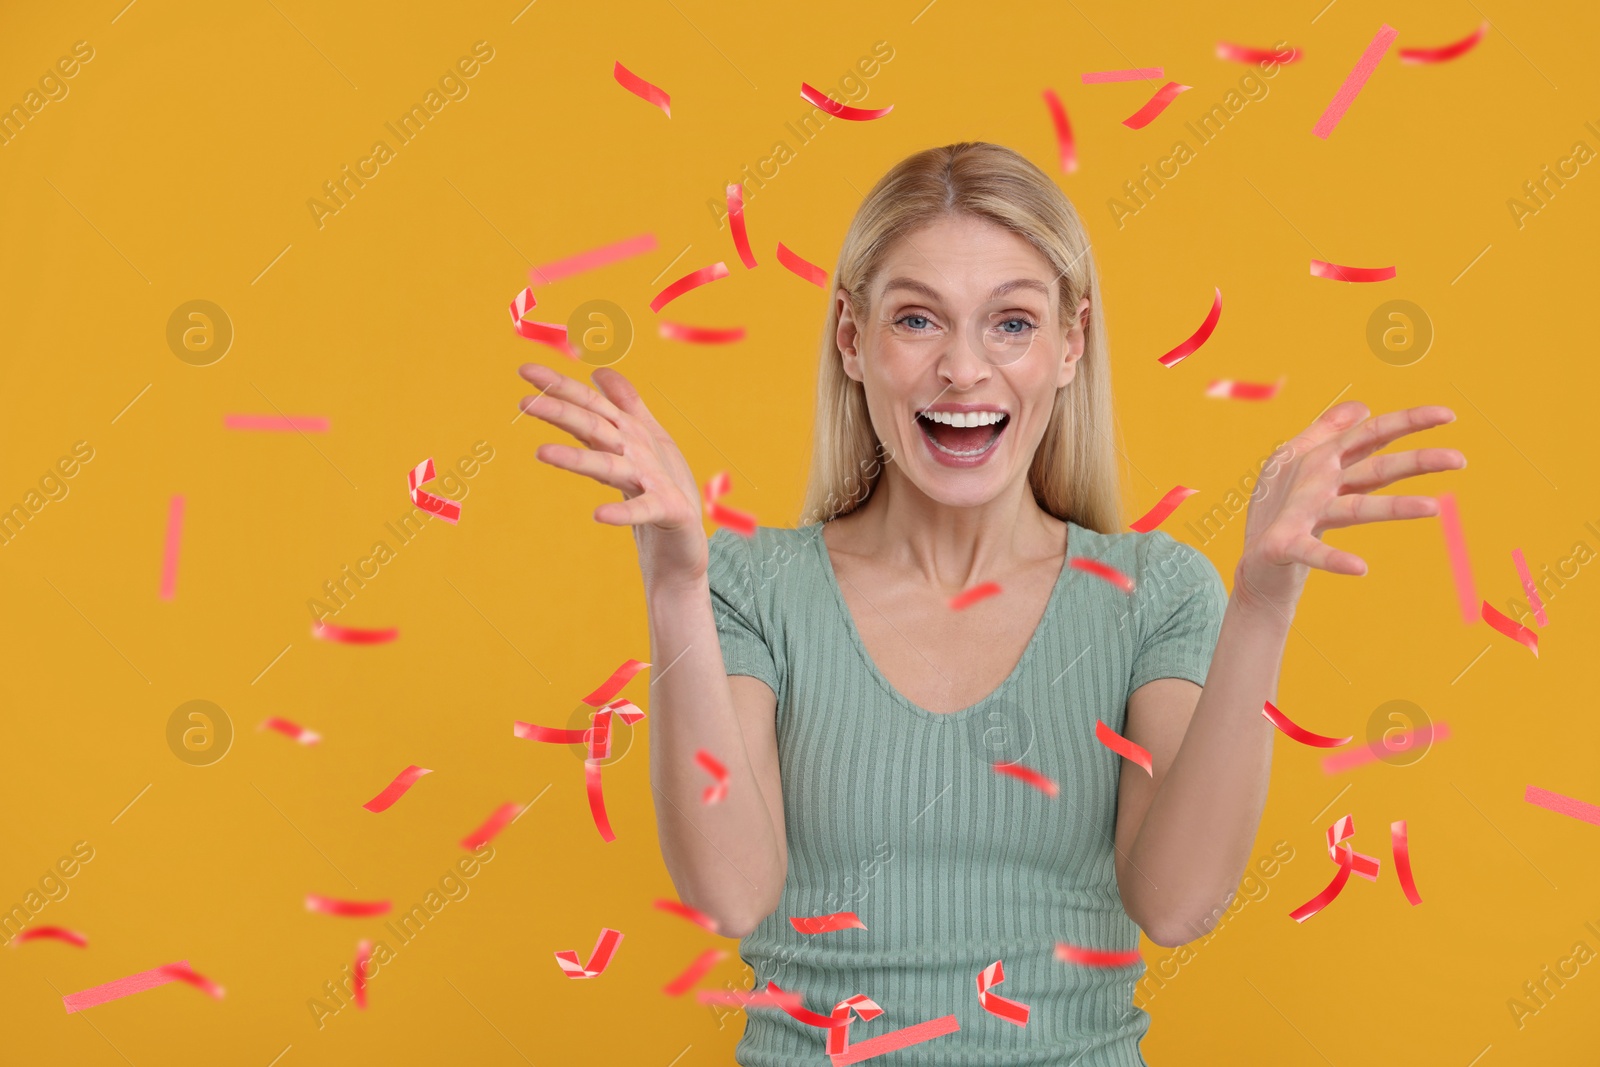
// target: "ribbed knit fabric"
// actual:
[[896, 813]]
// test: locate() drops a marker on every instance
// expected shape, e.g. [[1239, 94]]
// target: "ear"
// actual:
[[848, 335], [1075, 344]]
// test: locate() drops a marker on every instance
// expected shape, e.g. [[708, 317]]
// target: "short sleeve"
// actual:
[[736, 607], [1182, 603]]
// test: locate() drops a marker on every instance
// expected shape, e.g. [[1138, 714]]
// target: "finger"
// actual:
[[554, 383], [1327, 425], [585, 425], [1359, 442], [1314, 553], [1375, 472], [603, 467], [619, 391], [1355, 508], [635, 511]]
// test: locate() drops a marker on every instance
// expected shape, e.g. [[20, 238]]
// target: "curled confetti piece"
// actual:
[[1376, 750], [650, 94], [1455, 545], [1032, 777], [1164, 507], [740, 522], [1528, 587], [744, 998], [898, 1039], [300, 423], [862, 1006], [700, 335], [609, 688], [741, 239], [52, 933], [694, 972], [1241, 54], [968, 597], [546, 333], [827, 103], [289, 729], [348, 909], [448, 510], [498, 820], [1196, 339], [358, 984], [349, 635], [1299, 733], [1447, 52], [1563, 805], [1511, 628], [718, 790], [528, 731], [604, 948], [1155, 106], [1321, 268], [694, 915], [182, 972], [1123, 747], [1347, 860], [169, 557], [1354, 81], [693, 280], [1101, 570], [1402, 861], [396, 789], [121, 987], [1136, 74], [805, 1015], [802, 267], [1066, 147], [827, 924], [1096, 957], [1324, 898], [1228, 389], [993, 1003], [593, 259]]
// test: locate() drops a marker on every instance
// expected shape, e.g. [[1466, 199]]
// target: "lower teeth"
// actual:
[[973, 452]]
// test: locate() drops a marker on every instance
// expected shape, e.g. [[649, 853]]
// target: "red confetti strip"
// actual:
[[301, 423], [740, 522], [1455, 545], [53, 933], [716, 792], [1096, 957], [745, 999], [1164, 507], [694, 972], [396, 789], [844, 111], [1101, 570], [498, 820], [1135, 74], [182, 972], [1241, 54], [650, 94], [349, 635], [1511, 628], [693, 280], [694, 915], [899, 1039], [802, 267], [1402, 861], [289, 729], [1196, 339], [700, 335], [720, 485], [1321, 268], [121, 987], [805, 1015], [741, 239], [1348, 861], [1358, 757], [1065, 145], [1299, 733], [827, 924], [839, 1035], [604, 948], [1032, 777], [1528, 587], [993, 1003], [348, 909], [531, 732], [593, 787], [1123, 747], [546, 333], [359, 975], [968, 597], [1447, 52], [1228, 389], [1324, 898], [169, 558], [1354, 81], [448, 510], [1155, 106], [613, 685], [593, 259], [1563, 805]]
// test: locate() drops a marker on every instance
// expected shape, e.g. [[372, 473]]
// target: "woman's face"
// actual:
[[961, 353]]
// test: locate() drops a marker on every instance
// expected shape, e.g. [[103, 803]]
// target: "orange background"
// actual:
[[178, 167]]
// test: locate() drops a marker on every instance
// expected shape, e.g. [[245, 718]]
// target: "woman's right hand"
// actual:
[[627, 449]]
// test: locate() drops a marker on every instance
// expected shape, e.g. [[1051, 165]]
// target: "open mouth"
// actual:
[[963, 434]]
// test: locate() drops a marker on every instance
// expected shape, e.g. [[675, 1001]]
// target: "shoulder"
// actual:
[[1156, 561], [751, 566]]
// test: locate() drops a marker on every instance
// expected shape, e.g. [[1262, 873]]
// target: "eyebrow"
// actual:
[[1000, 290]]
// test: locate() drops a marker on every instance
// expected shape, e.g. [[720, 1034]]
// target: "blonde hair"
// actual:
[[1074, 472]]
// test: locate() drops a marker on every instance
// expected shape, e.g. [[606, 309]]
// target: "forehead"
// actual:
[[964, 258]]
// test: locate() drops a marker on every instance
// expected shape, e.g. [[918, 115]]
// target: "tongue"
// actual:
[[961, 438]]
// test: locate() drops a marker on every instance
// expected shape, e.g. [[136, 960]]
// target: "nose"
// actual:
[[960, 365]]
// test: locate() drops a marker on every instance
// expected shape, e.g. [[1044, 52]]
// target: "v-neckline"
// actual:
[[1051, 609]]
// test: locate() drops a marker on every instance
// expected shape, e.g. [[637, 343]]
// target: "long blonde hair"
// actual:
[[1074, 472]]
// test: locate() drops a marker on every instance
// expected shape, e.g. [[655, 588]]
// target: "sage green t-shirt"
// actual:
[[897, 814]]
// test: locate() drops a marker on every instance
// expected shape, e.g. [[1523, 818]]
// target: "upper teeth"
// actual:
[[965, 418]]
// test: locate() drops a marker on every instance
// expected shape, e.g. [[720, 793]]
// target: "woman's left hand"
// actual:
[[1324, 483]]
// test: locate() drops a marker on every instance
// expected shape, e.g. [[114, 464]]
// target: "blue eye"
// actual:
[[903, 318], [1024, 322]]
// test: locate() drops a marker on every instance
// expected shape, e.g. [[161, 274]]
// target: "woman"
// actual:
[[963, 436]]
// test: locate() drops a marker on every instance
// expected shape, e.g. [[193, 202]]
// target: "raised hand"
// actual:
[[626, 449], [1326, 484]]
